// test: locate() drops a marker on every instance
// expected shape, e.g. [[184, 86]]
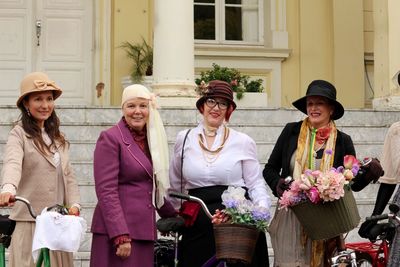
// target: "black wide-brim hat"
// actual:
[[216, 89], [321, 88]]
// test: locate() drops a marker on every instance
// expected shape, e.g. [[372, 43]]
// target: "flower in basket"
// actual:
[[350, 168], [317, 186], [239, 210]]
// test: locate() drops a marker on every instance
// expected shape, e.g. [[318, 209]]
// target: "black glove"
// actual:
[[384, 193], [372, 171], [365, 229], [282, 186]]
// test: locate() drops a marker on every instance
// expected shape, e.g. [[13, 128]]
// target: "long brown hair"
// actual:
[[51, 126]]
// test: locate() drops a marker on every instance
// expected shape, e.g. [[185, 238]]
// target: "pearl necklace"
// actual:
[[210, 131]]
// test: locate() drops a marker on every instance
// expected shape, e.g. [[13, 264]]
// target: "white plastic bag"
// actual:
[[57, 232]]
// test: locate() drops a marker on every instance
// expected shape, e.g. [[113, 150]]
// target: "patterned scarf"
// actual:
[[305, 148], [305, 160], [140, 138]]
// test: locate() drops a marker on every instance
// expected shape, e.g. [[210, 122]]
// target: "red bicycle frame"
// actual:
[[378, 251]]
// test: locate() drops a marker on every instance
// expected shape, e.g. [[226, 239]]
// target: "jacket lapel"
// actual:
[[292, 143], [134, 149], [48, 157]]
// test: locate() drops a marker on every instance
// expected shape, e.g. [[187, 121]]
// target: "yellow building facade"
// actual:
[[287, 43], [332, 40]]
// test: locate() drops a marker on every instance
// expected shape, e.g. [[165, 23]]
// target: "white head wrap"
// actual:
[[157, 140]]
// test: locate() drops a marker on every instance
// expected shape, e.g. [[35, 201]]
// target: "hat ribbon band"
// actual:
[[42, 85]]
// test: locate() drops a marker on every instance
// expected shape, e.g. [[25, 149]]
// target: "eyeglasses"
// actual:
[[211, 103]]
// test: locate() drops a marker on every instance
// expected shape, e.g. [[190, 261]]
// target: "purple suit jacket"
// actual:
[[124, 186]]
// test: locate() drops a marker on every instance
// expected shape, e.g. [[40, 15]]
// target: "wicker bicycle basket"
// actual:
[[235, 241], [328, 219]]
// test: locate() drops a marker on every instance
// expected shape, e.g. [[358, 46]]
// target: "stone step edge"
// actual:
[[171, 142], [92, 107], [232, 124]]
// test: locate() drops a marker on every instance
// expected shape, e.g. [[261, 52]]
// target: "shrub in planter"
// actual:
[[240, 83]]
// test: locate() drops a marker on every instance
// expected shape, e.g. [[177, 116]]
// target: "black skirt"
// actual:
[[197, 245]]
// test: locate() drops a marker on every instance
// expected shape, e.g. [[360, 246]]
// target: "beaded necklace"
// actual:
[[209, 155]]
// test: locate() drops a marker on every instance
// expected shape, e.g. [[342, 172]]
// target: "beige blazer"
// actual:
[[34, 175], [391, 155]]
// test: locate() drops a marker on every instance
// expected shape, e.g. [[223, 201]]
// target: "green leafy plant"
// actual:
[[142, 57], [240, 83]]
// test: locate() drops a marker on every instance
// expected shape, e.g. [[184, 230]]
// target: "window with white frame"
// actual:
[[228, 21]]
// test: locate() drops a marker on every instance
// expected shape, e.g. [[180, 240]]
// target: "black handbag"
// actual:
[[7, 227]]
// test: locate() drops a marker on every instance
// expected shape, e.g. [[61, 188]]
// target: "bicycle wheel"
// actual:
[[363, 259]]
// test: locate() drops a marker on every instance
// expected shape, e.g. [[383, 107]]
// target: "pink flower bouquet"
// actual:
[[318, 186]]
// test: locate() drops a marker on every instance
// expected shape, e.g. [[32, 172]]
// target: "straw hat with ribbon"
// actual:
[[37, 82]]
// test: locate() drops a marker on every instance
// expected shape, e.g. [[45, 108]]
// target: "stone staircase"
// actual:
[[82, 126]]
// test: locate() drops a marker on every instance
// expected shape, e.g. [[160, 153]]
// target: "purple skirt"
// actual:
[[103, 253]]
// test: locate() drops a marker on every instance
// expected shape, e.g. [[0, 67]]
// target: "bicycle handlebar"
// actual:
[[192, 198], [392, 215], [377, 217], [180, 195], [27, 203]]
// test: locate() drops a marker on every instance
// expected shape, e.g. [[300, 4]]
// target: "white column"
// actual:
[[386, 53], [173, 68]]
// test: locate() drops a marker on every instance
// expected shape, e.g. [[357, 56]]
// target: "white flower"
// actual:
[[233, 193]]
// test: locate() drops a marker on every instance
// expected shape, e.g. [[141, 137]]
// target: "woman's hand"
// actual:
[[5, 199], [283, 185], [123, 244], [73, 211], [124, 250]]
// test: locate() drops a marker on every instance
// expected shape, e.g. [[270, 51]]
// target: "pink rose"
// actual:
[[313, 195], [348, 174], [349, 161], [305, 182]]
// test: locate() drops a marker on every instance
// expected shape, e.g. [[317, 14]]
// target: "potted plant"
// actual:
[[240, 83], [142, 57]]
